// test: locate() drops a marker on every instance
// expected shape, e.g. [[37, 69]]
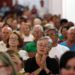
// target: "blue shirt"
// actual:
[[72, 48]]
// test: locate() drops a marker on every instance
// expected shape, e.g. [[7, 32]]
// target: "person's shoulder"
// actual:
[[30, 60], [30, 43], [63, 43], [53, 60], [64, 47], [30, 65], [53, 65]]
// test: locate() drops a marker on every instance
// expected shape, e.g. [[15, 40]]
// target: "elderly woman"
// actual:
[[41, 64], [67, 63], [6, 65]]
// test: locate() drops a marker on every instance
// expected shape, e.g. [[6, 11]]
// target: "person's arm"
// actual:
[[36, 72], [47, 71]]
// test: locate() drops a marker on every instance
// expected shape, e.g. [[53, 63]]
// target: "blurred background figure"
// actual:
[[6, 65], [67, 63]]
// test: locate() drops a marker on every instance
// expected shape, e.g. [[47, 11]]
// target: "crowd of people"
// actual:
[[34, 45]]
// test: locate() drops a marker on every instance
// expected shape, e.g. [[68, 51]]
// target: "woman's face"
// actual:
[[5, 70], [70, 68], [43, 47], [13, 40]]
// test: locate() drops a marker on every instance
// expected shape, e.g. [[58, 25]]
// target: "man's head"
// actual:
[[52, 32], [71, 34], [6, 31], [37, 32]]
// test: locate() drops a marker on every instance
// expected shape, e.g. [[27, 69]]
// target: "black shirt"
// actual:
[[31, 66]]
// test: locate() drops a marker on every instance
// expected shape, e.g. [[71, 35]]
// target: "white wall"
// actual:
[[55, 6], [69, 10]]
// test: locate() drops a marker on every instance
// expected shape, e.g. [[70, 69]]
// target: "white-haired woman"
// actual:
[[41, 64]]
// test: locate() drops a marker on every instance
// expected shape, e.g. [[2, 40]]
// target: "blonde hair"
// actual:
[[5, 58]]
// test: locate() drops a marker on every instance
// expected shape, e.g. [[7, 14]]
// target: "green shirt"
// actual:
[[30, 47]]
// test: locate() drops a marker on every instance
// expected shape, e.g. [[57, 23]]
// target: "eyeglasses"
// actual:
[[43, 45], [13, 39], [70, 67], [53, 34]]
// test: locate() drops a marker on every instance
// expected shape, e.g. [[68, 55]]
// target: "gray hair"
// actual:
[[39, 27], [46, 38], [9, 28], [71, 28]]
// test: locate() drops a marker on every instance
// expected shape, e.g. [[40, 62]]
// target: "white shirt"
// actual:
[[56, 52], [42, 11], [3, 47], [23, 54], [28, 38]]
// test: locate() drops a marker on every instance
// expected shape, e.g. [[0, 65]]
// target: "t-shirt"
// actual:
[[3, 47], [23, 54], [72, 48], [30, 47], [28, 38], [57, 51], [31, 66]]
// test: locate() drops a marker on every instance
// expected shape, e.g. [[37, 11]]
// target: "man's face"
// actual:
[[53, 35], [6, 33], [71, 35]]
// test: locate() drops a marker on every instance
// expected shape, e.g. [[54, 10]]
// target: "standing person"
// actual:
[[41, 64], [42, 9]]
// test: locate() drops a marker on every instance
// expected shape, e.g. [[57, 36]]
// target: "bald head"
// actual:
[[6, 31]]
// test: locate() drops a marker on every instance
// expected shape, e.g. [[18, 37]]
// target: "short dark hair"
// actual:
[[65, 58], [62, 21]]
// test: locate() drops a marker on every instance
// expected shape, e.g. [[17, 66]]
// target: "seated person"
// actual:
[[18, 62], [6, 65], [42, 64], [31, 47], [67, 63]]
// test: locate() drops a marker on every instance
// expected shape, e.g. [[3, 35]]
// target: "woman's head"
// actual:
[[6, 65], [43, 45], [67, 63], [15, 40]]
